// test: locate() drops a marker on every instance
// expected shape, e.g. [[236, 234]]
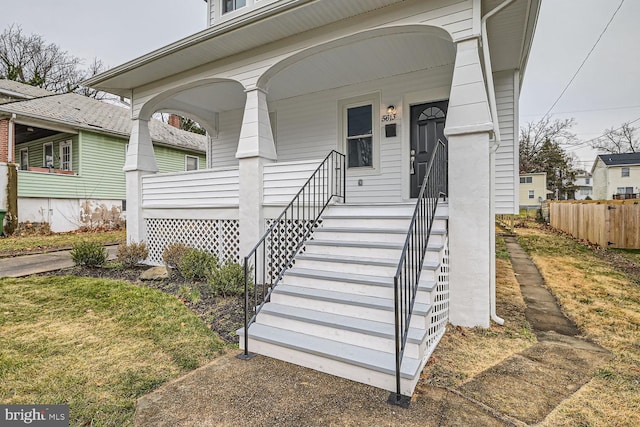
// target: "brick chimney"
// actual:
[[174, 121]]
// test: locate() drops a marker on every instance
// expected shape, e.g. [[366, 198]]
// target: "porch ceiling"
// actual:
[[207, 99], [365, 60], [510, 32]]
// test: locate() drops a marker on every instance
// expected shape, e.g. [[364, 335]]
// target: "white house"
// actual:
[[616, 176], [584, 185], [278, 85]]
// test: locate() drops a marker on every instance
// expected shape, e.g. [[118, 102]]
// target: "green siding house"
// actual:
[[70, 151]]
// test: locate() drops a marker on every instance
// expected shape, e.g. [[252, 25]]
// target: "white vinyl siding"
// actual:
[[197, 189], [507, 164]]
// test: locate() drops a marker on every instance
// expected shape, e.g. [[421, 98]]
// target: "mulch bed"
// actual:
[[224, 315]]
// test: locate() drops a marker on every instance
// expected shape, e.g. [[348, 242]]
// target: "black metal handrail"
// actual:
[[274, 252], [407, 277]]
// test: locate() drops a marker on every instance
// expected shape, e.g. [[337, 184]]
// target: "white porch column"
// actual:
[[468, 130], [140, 161], [255, 149]]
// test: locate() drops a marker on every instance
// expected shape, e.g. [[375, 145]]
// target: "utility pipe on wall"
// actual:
[[11, 146], [492, 155]]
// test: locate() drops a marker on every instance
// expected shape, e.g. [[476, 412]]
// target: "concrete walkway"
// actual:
[[265, 391], [26, 265]]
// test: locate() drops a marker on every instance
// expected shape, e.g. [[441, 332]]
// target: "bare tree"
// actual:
[[617, 141], [31, 60], [534, 135]]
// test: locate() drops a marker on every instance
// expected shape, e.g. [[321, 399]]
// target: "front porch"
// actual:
[[362, 289]]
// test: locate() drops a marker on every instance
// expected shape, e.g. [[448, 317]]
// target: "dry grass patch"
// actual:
[[605, 305], [15, 245], [465, 352], [96, 345]]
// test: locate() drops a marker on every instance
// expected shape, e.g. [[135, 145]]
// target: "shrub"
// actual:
[[173, 253], [228, 280], [89, 254], [129, 255], [197, 264], [190, 293]]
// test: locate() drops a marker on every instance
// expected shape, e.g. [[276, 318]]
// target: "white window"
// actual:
[[231, 5], [359, 130], [526, 180], [47, 155], [191, 163], [65, 156], [24, 159], [625, 190], [625, 172], [587, 181], [531, 194]]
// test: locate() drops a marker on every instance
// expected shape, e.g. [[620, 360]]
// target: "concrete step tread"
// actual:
[[340, 276], [377, 303], [382, 262], [367, 245], [337, 321], [360, 356], [363, 230]]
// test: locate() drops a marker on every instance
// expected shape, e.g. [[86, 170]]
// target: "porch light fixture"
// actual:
[[391, 114]]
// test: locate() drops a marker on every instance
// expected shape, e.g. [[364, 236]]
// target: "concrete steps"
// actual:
[[334, 310]]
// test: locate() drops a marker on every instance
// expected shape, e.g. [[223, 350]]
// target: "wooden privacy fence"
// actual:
[[609, 223]]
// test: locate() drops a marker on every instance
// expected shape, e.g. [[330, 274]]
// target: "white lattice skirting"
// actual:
[[218, 236], [440, 311]]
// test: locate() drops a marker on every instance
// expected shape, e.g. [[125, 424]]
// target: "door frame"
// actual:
[[410, 99]]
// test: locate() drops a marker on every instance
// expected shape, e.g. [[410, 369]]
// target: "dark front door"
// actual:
[[427, 127]]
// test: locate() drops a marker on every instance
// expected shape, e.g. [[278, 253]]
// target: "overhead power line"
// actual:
[[585, 59], [589, 141]]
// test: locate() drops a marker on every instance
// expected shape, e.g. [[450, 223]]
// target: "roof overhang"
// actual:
[[264, 25], [511, 33]]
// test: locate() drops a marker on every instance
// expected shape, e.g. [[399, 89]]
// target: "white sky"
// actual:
[[605, 94]]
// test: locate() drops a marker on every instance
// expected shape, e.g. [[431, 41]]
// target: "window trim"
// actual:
[[526, 180], [22, 166], [235, 8], [625, 172], [66, 143], [186, 160], [532, 194], [372, 99], [44, 156]]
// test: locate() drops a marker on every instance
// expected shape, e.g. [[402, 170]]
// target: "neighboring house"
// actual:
[[533, 190], [616, 176], [279, 84], [70, 151], [584, 185], [14, 91]]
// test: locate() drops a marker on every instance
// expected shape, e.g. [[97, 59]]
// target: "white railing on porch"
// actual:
[[196, 189], [200, 208]]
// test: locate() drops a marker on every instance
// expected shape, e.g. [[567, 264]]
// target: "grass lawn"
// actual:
[[18, 244], [94, 344], [605, 305]]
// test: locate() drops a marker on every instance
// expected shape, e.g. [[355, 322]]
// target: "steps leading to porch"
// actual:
[[333, 311]]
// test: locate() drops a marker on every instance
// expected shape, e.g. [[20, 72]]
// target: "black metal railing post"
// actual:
[[407, 277], [287, 234]]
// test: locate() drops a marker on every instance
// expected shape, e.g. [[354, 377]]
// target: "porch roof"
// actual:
[[510, 34], [261, 26]]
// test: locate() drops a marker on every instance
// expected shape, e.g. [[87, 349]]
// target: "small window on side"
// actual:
[[191, 163], [531, 194], [625, 172]]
